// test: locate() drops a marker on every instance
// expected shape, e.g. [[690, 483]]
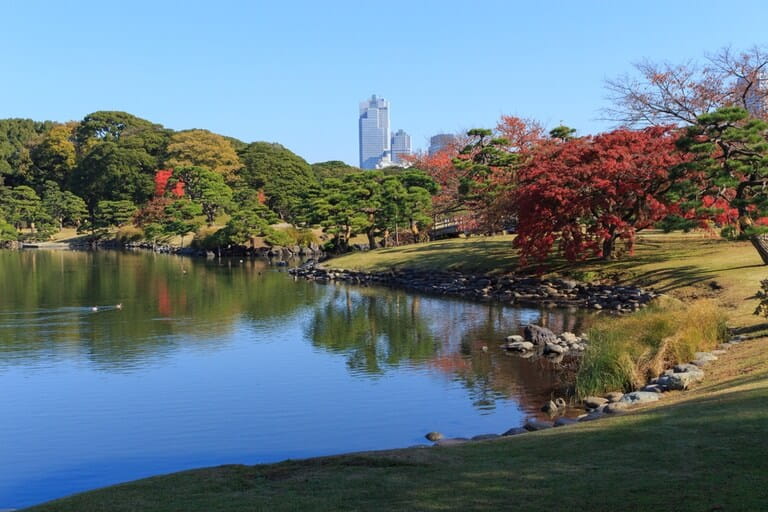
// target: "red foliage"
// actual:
[[586, 193], [161, 184], [523, 135], [440, 168]]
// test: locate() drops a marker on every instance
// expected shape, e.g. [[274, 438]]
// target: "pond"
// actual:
[[116, 366]]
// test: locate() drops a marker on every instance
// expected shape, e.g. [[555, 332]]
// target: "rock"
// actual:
[[434, 436], [534, 425], [614, 396], [550, 408], [538, 335], [683, 380], [515, 431], [639, 397], [593, 402], [719, 352], [569, 337], [485, 437], [552, 348], [653, 388], [705, 356], [683, 368], [560, 403], [519, 346], [700, 363], [451, 441], [591, 416], [562, 422], [616, 407], [515, 338]]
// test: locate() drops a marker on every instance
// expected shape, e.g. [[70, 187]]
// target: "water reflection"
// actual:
[[215, 362]]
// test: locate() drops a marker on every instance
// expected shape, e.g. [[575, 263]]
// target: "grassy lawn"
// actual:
[[699, 450]]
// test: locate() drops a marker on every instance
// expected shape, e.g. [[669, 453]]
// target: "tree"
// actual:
[[112, 172], [205, 187], [488, 175], [201, 148], [54, 157], [180, 218], [666, 93], [23, 208], [333, 169], [415, 204], [249, 219], [730, 164], [114, 213], [587, 193], [124, 130], [63, 206], [16, 136], [286, 179]]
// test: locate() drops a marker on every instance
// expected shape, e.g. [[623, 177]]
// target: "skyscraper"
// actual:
[[401, 145], [374, 131], [440, 141]]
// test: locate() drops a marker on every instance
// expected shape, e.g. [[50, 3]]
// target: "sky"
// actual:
[[295, 71]]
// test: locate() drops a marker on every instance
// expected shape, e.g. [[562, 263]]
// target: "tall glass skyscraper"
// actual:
[[374, 131], [401, 145]]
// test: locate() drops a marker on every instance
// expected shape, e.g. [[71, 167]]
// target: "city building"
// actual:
[[756, 98], [441, 141], [401, 145], [373, 131]]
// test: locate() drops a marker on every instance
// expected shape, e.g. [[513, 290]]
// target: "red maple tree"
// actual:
[[585, 194]]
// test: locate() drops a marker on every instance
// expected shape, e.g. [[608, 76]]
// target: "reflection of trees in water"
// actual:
[[374, 331], [168, 301], [376, 328]]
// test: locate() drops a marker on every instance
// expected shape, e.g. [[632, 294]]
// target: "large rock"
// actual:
[[519, 346], [639, 397], [683, 380], [538, 335], [705, 356], [515, 338], [553, 348], [614, 396], [593, 402], [569, 337]]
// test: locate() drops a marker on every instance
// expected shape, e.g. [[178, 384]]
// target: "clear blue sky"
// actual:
[[294, 71]]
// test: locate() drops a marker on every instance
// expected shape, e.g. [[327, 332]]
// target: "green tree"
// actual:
[[250, 219], [286, 179], [181, 218], [333, 169], [23, 208], [730, 163], [16, 136], [201, 148], [126, 131], [205, 187], [111, 172], [114, 213], [64, 207]]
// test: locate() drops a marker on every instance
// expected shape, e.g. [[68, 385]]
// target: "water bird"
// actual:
[[119, 305], [94, 308]]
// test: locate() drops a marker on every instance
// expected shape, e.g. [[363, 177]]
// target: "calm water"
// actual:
[[213, 362]]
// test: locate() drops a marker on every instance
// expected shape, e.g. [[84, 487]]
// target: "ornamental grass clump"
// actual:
[[624, 352]]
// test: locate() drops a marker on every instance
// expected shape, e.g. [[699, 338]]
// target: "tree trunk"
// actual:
[[760, 242], [608, 246], [371, 240]]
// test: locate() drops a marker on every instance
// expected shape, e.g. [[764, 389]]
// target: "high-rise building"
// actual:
[[374, 131], [441, 141], [401, 145], [756, 98]]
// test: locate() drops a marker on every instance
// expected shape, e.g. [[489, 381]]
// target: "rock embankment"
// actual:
[[679, 377], [506, 289]]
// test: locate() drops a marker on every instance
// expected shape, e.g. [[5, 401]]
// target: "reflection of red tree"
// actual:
[[163, 299], [451, 363]]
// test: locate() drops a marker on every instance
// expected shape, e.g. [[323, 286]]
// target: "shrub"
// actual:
[[208, 237], [7, 232], [625, 352], [278, 237], [128, 234], [303, 237]]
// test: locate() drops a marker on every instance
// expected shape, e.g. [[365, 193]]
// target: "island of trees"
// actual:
[[692, 151]]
